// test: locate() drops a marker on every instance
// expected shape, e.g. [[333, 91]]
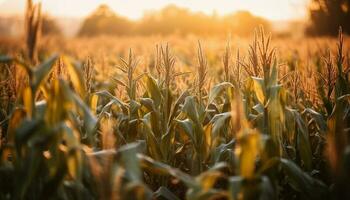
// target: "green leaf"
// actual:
[[220, 122], [217, 90], [259, 108], [89, 119], [6, 59], [127, 157], [176, 106], [235, 184], [273, 78], [267, 191], [224, 153], [303, 141], [41, 71], [134, 106], [321, 123], [108, 95], [76, 75], [190, 109], [153, 90], [274, 92], [259, 89], [164, 193], [302, 182], [148, 103], [167, 142], [187, 126], [152, 144], [163, 169], [25, 130]]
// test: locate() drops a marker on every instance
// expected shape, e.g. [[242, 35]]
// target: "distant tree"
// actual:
[[169, 20], [49, 26], [243, 23], [104, 21], [327, 15], [173, 19]]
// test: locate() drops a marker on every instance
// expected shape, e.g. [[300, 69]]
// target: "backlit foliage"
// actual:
[[176, 124]]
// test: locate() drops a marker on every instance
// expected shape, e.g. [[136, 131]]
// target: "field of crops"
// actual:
[[174, 117]]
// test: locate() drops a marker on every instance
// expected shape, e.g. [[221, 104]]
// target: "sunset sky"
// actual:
[[134, 9]]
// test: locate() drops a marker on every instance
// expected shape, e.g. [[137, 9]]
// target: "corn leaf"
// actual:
[[153, 90], [217, 90], [259, 89], [41, 71]]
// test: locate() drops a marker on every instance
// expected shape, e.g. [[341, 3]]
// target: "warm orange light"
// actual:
[[134, 9]]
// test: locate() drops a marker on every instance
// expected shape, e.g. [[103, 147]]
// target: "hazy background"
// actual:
[[69, 15], [158, 17], [134, 9]]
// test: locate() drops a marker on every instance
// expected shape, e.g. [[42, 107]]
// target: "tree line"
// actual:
[[170, 20], [325, 17]]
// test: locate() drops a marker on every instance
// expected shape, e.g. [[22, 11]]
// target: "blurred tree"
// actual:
[[104, 21], [327, 15], [243, 23], [173, 19], [170, 20], [49, 26]]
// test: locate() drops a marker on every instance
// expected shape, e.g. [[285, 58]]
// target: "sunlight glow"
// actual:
[[134, 9]]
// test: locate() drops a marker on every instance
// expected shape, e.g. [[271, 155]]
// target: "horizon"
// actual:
[[281, 11]]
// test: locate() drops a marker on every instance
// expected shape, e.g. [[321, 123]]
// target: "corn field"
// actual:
[[221, 122]]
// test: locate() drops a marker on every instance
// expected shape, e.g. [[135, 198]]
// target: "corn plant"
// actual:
[[251, 136]]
